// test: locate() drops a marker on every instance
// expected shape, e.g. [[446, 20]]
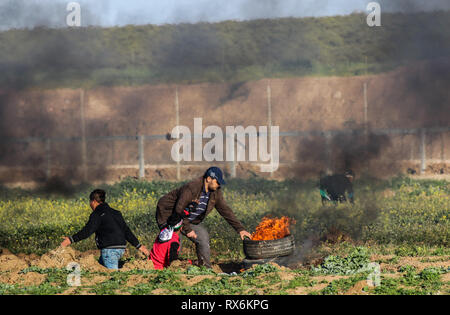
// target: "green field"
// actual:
[[403, 224], [400, 211]]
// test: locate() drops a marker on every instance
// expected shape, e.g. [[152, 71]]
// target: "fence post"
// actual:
[[83, 138], [177, 122], [47, 152], [366, 127], [422, 150], [233, 168], [366, 107], [328, 151], [233, 161], [269, 122], [141, 156]]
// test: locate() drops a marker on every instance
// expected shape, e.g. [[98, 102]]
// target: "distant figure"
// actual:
[[334, 188]]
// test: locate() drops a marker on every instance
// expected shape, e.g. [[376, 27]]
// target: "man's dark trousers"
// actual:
[[201, 244]]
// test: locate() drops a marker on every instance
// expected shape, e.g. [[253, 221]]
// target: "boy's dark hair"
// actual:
[[98, 195]]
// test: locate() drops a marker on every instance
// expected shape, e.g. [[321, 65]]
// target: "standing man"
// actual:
[[335, 187], [111, 231], [206, 192]]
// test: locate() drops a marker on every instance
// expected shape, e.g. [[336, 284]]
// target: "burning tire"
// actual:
[[268, 249]]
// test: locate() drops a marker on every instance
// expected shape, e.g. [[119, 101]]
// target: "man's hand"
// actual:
[[144, 250], [66, 242], [243, 234], [192, 234]]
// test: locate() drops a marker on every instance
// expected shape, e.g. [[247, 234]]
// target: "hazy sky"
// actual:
[[30, 13]]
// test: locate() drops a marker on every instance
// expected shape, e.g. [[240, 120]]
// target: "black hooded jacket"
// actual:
[[111, 230]]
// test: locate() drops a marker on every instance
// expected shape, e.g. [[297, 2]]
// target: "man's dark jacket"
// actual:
[[179, 199], [111, 230]]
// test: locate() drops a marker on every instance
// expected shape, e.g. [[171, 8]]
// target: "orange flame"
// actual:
[[272, 228]]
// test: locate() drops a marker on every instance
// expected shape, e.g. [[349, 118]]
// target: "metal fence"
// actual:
[[141, 141]]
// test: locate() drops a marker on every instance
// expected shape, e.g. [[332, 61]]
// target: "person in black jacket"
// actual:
[[334, 188], [111, 231]]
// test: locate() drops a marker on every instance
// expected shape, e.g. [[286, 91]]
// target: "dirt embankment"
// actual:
[[413, 97], [12, 272], [61, 258]]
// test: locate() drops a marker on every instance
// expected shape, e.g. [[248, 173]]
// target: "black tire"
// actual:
[[269, 249]]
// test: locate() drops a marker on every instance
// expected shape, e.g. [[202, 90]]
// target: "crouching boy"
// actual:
[[167, 245]]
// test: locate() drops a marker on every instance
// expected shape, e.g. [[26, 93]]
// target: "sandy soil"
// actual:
[[11, 266]]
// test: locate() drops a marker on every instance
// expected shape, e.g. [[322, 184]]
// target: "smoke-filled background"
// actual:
[[49, 55], [74, 100]]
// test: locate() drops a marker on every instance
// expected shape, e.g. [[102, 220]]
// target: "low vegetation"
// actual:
[[400, 224]]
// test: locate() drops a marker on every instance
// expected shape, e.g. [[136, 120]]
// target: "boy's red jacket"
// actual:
[[163, 254]]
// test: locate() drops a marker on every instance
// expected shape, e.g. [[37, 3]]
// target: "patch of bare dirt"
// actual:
[[299, 291], [287, 276], [27, 279], [392, 275], [378, 257], [143, 264], [62, 256], [417, 262], [179, 265], [323, 281], [190, 281], [160, 291], [89, 263], [57, 258], [446, 277], [388, 193], [77, 291], [281, 268], [92, 281], [136, 279], [357, 289], [10, 262]]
